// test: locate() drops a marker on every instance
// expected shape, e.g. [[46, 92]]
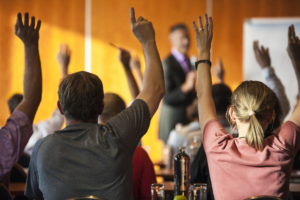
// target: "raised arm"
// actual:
[[219, 71], [124, 57], [263, 59], [206, 106], [293, 50], [63, 58], [153, 84], [29, 34], [135, 65]]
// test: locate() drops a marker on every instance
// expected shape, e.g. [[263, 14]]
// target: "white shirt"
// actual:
[[274, 83], [43, 129]]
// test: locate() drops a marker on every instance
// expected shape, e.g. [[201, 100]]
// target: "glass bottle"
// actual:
[[181, 173]]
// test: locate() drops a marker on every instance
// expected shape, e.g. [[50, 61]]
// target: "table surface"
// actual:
[[17, 189]]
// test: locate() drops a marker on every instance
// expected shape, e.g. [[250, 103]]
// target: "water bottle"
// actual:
[[181, 173]]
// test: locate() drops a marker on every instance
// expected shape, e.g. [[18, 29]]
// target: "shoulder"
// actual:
[[214, 135]]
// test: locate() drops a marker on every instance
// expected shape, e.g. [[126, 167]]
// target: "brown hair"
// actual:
[[81, 96], [252, 101], [113, 105]]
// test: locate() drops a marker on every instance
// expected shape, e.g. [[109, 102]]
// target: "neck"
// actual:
[[242, 127], [74, 122]]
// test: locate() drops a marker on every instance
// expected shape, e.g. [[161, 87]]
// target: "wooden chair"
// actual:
[[90, 197], [263, 198], [4, 192]]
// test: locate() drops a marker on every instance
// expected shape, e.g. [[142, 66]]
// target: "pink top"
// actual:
[[238, 171]]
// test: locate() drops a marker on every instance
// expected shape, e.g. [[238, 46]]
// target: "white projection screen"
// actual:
[[272, 33]]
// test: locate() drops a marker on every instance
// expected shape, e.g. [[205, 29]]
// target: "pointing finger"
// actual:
[[132, 17]]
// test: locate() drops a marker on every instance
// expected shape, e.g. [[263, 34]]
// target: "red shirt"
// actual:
[[239, 171], [143, 174]]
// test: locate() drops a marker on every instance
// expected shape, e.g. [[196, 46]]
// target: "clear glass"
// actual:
[[198, 191], [157, 191]]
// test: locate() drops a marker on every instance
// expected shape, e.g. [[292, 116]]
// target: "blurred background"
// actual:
[[99, 22]]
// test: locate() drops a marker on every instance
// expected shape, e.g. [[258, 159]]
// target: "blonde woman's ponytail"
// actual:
[[253, 102], [255, 135]]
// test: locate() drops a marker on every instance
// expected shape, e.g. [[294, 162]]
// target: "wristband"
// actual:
[[202, 61]]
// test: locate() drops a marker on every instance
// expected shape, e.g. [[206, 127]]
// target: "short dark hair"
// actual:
[[113, 105], [81, 96], [221, 94], [14, 101], [179, 26]]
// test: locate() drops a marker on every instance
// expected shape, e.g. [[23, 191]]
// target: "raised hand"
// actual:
[[293, 47], [63, 58], [262, 55], [219, 71], [135, 63], [124, 57], [29, 34], [204, 36], [142, 28]]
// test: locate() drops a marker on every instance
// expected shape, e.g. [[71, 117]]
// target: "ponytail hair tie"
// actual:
[[251, 113]]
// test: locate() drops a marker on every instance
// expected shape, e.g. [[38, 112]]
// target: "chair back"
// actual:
[[4, 192], [90, 197], [263, 198]]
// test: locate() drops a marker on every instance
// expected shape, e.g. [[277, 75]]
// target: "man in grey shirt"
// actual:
[[90, 159]]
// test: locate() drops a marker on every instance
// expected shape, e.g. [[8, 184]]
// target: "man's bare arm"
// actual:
[[29, 34], [153, 84]]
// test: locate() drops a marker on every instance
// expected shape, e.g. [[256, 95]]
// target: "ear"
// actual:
[[232, 114], [101, 109], [59, 108]]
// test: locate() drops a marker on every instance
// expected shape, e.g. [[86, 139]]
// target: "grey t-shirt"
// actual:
[[88, 159]]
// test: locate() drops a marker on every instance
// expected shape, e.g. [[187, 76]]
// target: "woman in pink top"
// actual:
[[251, 165]]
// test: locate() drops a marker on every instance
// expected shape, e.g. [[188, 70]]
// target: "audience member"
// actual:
[[272, 81], [250, 159], [91, 159], [56, 121], [179, 81], [143, 174], [18, 128], [221, 95]]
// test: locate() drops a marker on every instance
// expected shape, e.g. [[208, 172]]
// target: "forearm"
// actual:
[[204, 84], [153, 77], [139, 75], [32, 82], [206, 106], [273, 82], [33, 75], [133, 87], [153, 87], [64, 71]]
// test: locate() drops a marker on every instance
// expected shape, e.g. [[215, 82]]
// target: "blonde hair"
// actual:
[[252, 101]]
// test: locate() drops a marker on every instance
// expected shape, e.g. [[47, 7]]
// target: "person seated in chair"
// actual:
[[86, 158]]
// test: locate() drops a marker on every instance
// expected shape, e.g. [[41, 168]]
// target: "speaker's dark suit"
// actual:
[[174, 105]]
